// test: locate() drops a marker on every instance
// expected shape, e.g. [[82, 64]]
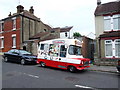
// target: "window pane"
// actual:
[[42, 47], [119, 23], [115, 23], [14, 41], [14, 24], [74, 50], [63, 51], [117, 47], [107, 24], [108, 49]]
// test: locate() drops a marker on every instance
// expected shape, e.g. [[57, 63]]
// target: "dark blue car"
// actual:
[[20, 56]]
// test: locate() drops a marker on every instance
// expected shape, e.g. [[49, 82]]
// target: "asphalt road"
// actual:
[[33, 76]]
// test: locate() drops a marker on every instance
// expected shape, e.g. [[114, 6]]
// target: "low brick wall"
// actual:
[[106, 62]]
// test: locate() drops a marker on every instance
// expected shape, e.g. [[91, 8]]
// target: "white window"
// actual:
[[117, 48], [1, 26], [108, 48], [14, 41], [2, 42], [107, 23], [116, 22], [112, 23], [112, 48], [14, 23]]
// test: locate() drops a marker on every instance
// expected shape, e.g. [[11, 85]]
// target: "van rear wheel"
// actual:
[[42, 64], [72, 69]]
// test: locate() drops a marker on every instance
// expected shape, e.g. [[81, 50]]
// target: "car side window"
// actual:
[[11, 51], [16, 52]]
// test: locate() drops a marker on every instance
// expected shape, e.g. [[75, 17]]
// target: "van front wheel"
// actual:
[[42, 64], [72, 69]]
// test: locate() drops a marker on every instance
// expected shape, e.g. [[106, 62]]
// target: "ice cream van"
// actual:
[[63, 54]]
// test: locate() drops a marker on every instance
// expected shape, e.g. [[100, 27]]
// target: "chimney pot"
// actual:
[[31, 10], [98, 2], [20, 8]]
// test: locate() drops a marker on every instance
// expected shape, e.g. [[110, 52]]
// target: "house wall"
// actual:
[[99, 25], [62, 35], [102, 48]]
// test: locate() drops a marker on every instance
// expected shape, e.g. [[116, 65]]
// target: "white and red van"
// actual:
[[62, 53]]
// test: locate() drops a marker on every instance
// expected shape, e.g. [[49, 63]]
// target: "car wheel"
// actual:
[[118, 69], [72, 69], [6, 59], [23, 62], [42, 64]]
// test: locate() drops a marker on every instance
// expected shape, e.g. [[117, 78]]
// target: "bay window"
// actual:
[[112, 23], [112, 48]]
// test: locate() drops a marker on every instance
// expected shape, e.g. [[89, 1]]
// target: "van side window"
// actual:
[[42, 47], [63, 51], [53, 50]]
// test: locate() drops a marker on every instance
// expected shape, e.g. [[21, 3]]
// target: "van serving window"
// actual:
[[42, 47], [63, 51]]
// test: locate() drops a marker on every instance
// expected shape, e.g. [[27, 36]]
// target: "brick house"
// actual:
[[107, 27], [17, 31]]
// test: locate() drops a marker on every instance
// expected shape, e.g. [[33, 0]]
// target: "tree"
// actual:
[[76, 35]]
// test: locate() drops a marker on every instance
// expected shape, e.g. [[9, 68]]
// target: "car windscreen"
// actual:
[[24, 52], [74, 50]]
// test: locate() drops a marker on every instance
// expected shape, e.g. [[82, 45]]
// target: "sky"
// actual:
[[58, 13]]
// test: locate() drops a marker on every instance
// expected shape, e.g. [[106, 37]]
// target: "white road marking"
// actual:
[[80, 86], [31, 75]]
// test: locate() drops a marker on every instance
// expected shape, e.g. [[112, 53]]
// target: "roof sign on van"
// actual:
[[58, 42]]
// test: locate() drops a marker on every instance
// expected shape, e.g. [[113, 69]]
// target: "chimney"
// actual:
[[20, 8], [98, 2], [31, 10]]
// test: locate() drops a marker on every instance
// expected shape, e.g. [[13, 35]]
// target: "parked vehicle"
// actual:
[[63, 54], [118, 66], [21, 56]]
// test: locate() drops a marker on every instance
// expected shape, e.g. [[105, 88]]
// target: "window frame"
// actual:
[[118, 18], [111, 48], [107, 18], [14, 23], [115, 47], [2, 42], [14, 41], [1, 26]]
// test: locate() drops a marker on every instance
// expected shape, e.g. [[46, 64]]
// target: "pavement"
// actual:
[[111, 69]]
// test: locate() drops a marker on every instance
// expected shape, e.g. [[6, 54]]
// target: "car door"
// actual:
[[16, 56], [9, 55]]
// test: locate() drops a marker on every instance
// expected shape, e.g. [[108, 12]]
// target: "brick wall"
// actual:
[[8, 32]]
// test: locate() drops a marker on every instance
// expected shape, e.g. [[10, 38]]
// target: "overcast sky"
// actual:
[[58, 13]]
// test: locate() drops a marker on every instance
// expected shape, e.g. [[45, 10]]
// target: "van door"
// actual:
[[62, 58]]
